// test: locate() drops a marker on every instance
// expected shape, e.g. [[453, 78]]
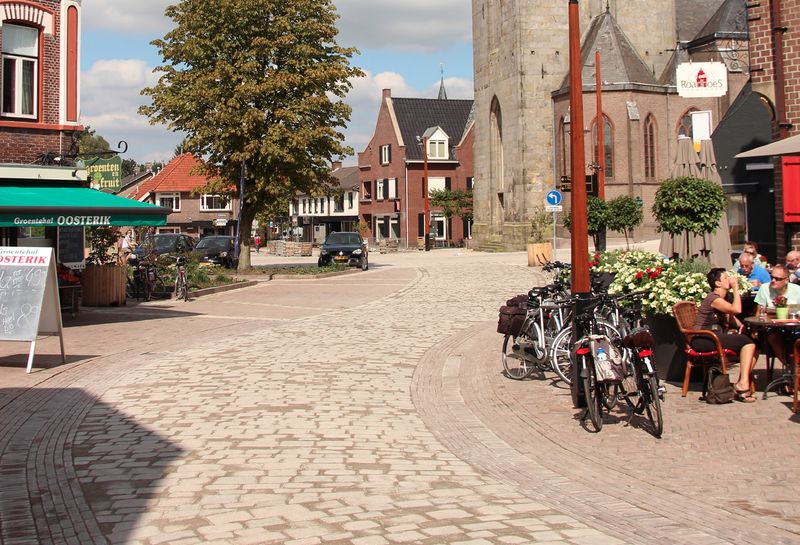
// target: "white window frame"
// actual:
[[174, 230], [380, 194], [171, 195], [204, 202], [20, 60], [437, 149], [385, 154], [440, 220], [351, 200], [436, 182], [393, 188]]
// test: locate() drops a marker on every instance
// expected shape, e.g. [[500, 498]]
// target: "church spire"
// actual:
[[442, 92]]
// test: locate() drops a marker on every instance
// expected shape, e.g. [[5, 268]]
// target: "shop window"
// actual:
[[20, 70]]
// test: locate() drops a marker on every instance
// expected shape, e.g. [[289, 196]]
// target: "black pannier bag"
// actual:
[[512, 315]]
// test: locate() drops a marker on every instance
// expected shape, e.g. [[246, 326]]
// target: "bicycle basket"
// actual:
[[610, 368]]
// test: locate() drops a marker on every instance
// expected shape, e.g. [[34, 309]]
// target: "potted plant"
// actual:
[[624, 215], [103, 281], [781, 307], [540, 249]]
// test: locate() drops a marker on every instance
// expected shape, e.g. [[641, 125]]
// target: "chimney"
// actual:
[[387, 93], [336, 165]]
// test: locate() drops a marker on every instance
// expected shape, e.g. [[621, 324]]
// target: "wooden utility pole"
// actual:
[[601, 147], [580, 244]]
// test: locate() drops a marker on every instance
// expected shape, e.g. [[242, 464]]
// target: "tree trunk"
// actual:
[[245, 227]]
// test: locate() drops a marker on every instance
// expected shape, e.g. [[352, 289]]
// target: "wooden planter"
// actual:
[[539, 253], [103, 285]]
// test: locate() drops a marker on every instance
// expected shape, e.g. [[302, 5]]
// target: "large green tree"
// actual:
[[257, 83]]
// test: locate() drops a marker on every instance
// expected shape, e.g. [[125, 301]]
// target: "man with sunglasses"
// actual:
[[779, 285]]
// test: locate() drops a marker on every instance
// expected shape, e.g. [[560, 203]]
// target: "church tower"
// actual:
[[521, 56]]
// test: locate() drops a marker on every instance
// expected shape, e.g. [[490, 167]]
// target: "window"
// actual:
[[167, 230], [437, 149], [438, 227], [169, 200], [350, 200], [366, 191], [565, 147], [650, 147], [685, 124], [469, 183], [436, 182], [338, 203], [20, 67], [386, 154], [316, 206], [322, 206], [393, 188], [214, 202], [608, 146], [304, 206], [380, 189]]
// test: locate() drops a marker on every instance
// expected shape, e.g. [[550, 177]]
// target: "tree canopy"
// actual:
[[688, 204], [261, 86]]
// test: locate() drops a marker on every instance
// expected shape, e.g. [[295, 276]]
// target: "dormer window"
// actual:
[[20, 69], [437, 149]]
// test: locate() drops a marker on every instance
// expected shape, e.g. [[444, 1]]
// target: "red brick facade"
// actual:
[[766, 38], [405, 209], [22, 140]]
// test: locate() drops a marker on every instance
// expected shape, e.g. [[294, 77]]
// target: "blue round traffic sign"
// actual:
[[554, 197]]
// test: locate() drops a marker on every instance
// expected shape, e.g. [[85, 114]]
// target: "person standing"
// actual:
[[257, 240], [125, 247]]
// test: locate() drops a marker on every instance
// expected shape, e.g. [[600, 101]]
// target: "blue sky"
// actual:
[[402, 45]]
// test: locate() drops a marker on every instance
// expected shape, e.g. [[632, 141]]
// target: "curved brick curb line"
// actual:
[[220, 289], [491, 425]]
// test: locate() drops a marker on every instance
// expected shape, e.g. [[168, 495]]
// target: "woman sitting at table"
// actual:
[[715, 313], [779, 285]]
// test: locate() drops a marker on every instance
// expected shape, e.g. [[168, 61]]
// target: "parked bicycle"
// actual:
[[144, 281], [181, 283]]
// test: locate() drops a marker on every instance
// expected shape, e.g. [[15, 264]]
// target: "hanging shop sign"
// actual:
[[105, 174], [701, 79]]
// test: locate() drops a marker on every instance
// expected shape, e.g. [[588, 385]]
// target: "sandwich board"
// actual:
[[29, 305]]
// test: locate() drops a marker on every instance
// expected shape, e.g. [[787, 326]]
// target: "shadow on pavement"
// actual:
[[40, 360], [74, 466], [109, 315]]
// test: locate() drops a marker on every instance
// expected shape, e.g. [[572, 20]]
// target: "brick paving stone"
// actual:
[[348, 402]]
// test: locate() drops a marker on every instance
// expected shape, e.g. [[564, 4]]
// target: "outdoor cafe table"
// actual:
[[790, 332]]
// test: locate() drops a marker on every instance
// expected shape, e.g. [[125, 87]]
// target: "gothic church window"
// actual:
[[650, 147], [685, 124], [608, 146], [496, 145]]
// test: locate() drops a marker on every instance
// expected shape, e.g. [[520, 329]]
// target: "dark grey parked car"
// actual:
[[218, 250], [164, 243], [346, 248]]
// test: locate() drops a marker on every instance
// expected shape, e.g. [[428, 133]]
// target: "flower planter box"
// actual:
[[103, 286], [668, 352]]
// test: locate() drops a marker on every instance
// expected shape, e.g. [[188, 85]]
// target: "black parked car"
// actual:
[[164, 243], [345, 247], [218, 250]]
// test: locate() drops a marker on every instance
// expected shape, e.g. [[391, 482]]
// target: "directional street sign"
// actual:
[[553, 197]]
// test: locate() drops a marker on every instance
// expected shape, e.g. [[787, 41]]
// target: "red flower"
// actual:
[[639, 275]]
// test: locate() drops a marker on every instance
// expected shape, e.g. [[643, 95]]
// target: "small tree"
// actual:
[[541, 224], [101, 239], [624, 215], [596, 219], [688, 205]]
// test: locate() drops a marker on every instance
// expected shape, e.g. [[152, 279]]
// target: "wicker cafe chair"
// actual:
[[796, 364], [685, 312]]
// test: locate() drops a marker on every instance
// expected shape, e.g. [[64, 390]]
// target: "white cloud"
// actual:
[[412, 25], [110, 98], [139, 17]]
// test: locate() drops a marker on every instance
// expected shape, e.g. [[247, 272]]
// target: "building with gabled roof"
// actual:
[[392, 199], [316, 216], [179, 186]]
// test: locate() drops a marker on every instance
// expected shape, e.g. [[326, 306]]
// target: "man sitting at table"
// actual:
[[757, 276], [778, 285], [793, 264]]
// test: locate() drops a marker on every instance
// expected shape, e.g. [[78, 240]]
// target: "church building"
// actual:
[[522, 118]]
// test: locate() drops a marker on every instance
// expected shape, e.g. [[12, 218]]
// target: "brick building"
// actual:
[[317, 216], [392, 200], [178, 186], [774, 49], [522, 105]]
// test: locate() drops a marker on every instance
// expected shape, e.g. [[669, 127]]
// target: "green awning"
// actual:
[[56, 205]]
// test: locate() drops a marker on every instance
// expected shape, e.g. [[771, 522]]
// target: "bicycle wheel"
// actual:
[[591, 390], [652, 404], [560, 357], [516, 362], [632, 383]]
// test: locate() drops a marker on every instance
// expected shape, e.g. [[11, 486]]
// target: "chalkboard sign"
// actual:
[[29, 303], [71, 247]]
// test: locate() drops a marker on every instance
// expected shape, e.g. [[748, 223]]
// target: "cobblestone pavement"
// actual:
[[364, 409]]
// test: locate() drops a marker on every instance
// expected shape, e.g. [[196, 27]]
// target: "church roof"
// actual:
[[691, 16], [619, 61], [416, 115], [728, 22]]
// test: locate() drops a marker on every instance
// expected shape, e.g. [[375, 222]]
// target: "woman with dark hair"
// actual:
[[715, 313]]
